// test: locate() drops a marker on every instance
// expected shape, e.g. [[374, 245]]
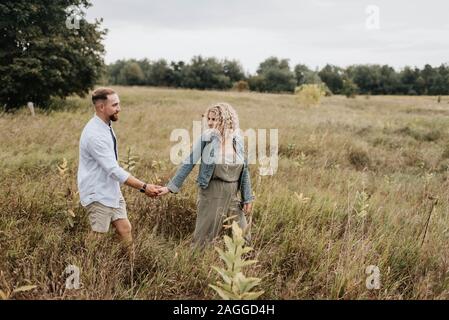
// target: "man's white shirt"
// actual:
[[99, 174]]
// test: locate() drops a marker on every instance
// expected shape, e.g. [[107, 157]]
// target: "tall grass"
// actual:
[[356, 186]]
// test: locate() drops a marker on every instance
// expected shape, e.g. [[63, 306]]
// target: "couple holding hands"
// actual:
[[223, 179]]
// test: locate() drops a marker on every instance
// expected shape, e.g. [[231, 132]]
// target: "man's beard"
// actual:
[[113, 117]]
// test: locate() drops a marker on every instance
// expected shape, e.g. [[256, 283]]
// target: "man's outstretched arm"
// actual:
[[151, 190], [105, 156]]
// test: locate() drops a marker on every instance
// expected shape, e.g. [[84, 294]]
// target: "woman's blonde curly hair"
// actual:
[[228, 120]]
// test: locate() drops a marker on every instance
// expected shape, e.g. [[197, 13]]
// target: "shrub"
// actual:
[[350, 89], [359, 158], [241, 86], [445, 154], [236, 285], [420, 135], [309, 94]]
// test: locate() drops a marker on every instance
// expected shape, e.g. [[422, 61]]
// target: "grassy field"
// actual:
[[373, 172]]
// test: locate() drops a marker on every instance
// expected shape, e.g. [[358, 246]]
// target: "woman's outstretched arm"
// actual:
[[175, 184]]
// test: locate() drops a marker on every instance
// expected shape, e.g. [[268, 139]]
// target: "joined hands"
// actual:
[[154, 191]]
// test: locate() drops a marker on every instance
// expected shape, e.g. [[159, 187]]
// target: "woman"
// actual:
[[223, 180]]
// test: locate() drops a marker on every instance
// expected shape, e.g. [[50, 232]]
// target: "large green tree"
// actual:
[[233, 70], [273, 75], [205, 73], [157, 73], [131, 74], [304, 75], [332, 76], [44, 52]]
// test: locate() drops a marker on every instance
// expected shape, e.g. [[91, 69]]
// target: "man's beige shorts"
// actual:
[[101, 216]]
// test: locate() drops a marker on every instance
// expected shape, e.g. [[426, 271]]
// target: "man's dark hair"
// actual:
[[101, 94]]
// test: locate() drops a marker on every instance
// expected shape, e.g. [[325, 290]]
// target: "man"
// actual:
[[99, 173]]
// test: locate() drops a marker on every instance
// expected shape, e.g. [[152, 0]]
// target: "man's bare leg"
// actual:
[[123, 229]]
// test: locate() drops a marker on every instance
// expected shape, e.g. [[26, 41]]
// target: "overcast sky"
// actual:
[[313, 32]]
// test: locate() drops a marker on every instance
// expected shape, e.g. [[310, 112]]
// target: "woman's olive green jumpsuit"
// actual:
[[219, 200]]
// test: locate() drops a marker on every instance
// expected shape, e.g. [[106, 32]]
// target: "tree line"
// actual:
[[276, 75], [44, 54]]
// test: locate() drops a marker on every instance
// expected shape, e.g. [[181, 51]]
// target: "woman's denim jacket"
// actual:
[[205, 148]]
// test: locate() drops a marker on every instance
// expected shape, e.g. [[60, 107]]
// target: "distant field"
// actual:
[[373, 172]]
